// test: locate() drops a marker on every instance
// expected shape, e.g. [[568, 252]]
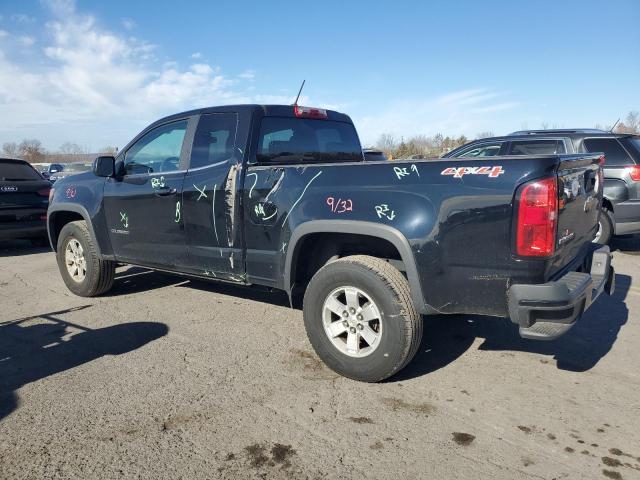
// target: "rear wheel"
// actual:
[[605, 228], [82, 270], [360, 318]]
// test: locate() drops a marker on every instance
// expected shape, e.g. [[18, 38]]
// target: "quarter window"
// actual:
[[157, 151], [614, 154], [215, 139]]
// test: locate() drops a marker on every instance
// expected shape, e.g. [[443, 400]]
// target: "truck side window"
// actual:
[[298, 140], [483, 150], [537, 147], [614, 154], [157, 150], [215, 139]]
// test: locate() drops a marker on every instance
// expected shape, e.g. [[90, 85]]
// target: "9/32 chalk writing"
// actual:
[[340, 206]]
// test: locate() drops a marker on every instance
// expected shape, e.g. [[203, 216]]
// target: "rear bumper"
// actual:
[[546, 311], [31, 229]]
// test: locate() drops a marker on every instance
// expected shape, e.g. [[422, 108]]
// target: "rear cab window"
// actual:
[[17, 171], [306, 140], [614, 153]]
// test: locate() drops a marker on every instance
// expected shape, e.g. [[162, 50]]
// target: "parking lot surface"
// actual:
[[168, 378]]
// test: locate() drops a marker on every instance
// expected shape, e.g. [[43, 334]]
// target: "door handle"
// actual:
[[165, 191]]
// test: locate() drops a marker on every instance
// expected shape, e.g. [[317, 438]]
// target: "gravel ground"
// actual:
[[171, 378]]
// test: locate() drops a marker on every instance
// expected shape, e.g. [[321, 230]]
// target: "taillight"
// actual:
[[309, 112], [601, 160], [634, 173], [537, 218], [44, 192]]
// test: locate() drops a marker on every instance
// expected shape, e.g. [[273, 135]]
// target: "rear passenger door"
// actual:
[[213, 223]]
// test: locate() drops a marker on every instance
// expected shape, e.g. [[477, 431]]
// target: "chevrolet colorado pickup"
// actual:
[[281, 196]]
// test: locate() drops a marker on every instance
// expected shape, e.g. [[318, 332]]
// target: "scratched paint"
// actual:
[[299, 198], [213, 212], [255, 180], [230, 202]]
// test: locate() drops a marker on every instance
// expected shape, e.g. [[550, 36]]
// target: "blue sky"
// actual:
[[95, 73]]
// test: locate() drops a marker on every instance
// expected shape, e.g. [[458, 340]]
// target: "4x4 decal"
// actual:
[[459, 172]]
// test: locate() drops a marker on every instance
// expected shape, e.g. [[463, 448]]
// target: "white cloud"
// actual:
[[459, 112], [4, 33], [26, 40], [247, 75], [196, 55], [128, 23], [90, 80]]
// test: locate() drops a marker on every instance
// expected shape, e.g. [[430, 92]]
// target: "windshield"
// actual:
[[287, 139], [17, 171]]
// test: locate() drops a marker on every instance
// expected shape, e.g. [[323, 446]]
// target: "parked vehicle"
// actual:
[[621, 199], [281, 196], [373, 155], [24, 197], [52, 171]]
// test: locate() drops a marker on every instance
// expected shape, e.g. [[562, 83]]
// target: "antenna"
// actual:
[[614, 125], [299, 92]]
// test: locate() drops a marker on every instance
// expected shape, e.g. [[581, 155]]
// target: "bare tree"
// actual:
[[386, 142], [70, 148], [10, 149], [631, 123], [31, 150], [109, 151]]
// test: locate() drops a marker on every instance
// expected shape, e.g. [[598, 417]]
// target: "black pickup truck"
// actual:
[[281, 196]]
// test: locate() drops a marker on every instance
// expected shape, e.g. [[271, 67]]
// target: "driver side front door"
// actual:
[[143, 207]]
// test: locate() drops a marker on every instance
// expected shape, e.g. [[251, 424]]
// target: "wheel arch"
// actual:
[[371, 229], [60, 214]]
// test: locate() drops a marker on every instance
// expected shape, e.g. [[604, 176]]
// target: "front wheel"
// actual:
[[360, 318], [82, 269]]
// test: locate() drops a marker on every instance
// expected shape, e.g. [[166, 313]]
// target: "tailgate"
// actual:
[[580, 185]]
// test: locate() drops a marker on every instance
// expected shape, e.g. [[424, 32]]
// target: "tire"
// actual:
[[98, 277], [605, 228], [399, 326]]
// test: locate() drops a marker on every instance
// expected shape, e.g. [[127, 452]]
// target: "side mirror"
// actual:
[[104, 166]]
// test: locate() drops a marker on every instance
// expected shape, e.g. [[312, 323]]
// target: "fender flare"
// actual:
[[371, 229], [75, 208]]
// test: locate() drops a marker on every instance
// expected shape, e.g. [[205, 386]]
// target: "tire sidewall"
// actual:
[[394, 341], [69, 232], [606, 228]]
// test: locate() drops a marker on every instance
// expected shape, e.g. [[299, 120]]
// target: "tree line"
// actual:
[[422, 146], [33, 151]]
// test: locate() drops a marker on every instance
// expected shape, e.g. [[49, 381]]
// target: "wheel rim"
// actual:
[[352, 321], [596, 239], [75, 261]]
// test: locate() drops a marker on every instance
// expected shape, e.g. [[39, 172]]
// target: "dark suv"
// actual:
[[621, 202]]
